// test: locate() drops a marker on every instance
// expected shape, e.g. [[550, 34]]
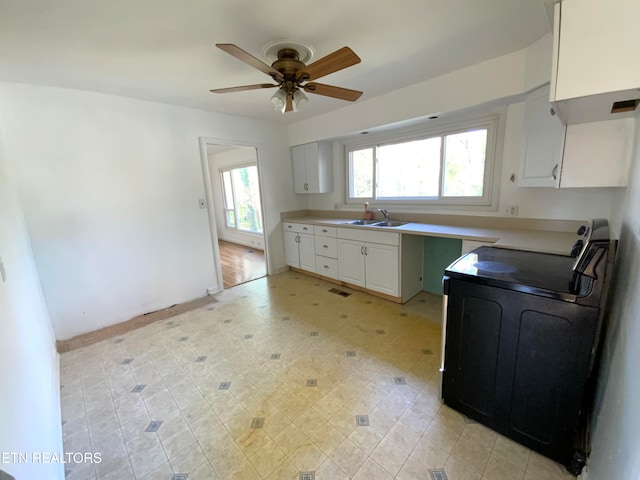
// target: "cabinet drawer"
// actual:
[[325, 231], [298, 227], [327, 247], [327, 266]]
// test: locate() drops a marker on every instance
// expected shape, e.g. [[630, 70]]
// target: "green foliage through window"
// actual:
[[450, 166]]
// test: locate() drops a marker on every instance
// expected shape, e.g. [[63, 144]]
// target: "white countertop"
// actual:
[[533, 240]]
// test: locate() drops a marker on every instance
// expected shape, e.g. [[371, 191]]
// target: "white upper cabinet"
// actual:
[[593, 154], [312, 168], [543, 142], [595, 58]]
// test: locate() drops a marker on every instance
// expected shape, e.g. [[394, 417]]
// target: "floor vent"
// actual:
[[438, 474], [339, 292]]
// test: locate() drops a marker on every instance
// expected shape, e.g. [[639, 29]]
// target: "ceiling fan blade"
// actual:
[[331, 91], [289, 105], [249, 59], [245, 87], [333, 62]]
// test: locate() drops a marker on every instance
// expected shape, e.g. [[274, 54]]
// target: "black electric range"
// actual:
[[519, 334]]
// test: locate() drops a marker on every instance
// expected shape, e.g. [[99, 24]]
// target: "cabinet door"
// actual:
[[351, 262], [598, 154], [382, 268], [597, 39], [543, 142], [311, 160], [299, 169], [307, 252], [312, 168], [291, 249]]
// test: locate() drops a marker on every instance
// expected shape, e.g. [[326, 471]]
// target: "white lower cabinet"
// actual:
[[351, 260], [379, 261], [327, 266], [326, 245], [299, 247], [370, 265]]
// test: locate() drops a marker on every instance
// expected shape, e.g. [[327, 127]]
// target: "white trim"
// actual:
[[493, 121], [204, 160]]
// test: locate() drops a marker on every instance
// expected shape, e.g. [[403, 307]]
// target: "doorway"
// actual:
[[236, 212]]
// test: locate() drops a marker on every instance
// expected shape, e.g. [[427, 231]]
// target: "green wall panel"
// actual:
[[439, 253]]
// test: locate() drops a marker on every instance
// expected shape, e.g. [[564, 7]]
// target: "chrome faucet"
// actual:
[[385, 213]]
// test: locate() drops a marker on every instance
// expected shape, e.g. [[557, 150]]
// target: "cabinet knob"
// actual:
[[554, 172], [326, 266], [325, 246], [305, 228]]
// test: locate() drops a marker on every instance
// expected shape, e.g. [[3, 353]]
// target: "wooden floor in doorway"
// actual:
[[240, 264]]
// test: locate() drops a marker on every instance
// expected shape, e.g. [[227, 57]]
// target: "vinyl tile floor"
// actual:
[[280, 379]]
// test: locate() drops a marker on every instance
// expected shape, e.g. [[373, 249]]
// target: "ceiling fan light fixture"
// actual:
[[279, 100], [300, 101]]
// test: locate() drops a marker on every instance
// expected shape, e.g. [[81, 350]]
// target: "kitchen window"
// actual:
[[241, 192], [450, 166]]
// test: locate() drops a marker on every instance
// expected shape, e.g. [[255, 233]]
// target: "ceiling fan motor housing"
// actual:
[[288, 64]]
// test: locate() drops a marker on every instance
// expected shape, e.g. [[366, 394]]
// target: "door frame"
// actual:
[[211, 207]]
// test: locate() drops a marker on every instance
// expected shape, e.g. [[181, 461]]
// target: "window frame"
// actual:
[[225, 207], [493, 122]]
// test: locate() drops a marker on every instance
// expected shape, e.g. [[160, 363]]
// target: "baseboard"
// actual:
[[134, 323]]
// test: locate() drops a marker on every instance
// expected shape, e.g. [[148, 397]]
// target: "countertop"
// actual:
[[556, 242]]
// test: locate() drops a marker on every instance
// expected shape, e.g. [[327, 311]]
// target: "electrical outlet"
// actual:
[[202, 203], [510, 210]]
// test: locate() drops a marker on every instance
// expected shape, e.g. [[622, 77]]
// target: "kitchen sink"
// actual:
[[376, 223], [362, 222], [389, 223]]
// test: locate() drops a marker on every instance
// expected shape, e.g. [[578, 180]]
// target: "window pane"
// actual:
[[361, 167], [228, 191], [464, 156], [231, 218], [247, 193], [410, 169]]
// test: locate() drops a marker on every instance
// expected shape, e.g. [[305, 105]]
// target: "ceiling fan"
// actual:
[[292, 76]]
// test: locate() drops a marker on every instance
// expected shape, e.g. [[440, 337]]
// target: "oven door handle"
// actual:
[[445, 302]]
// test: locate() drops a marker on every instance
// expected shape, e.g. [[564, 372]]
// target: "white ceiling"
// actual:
[[164, 50]]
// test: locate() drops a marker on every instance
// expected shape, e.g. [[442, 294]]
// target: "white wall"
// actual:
[[237, 157], [29, 365], [503, 77], [110, 187], [616, 431]]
